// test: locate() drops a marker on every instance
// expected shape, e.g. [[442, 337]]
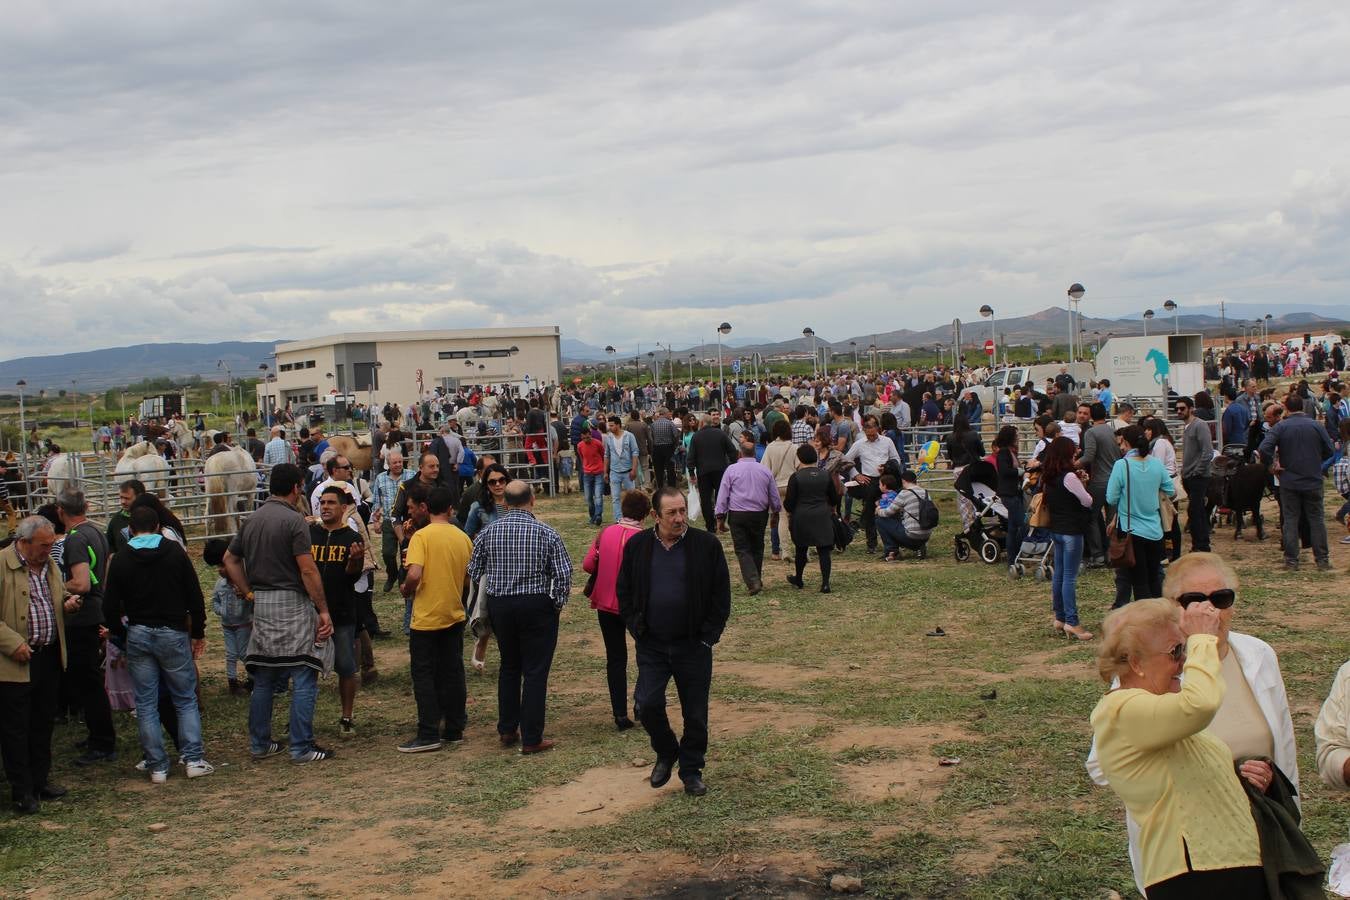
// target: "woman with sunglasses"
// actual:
[[1253, 718], [484, 511], [1196, 836]]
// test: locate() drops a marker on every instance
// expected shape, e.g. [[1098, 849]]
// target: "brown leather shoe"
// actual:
[[509, 740], [540, 747]]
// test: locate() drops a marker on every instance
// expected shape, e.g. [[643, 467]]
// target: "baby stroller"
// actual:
[[1035, 552], [989, 529]]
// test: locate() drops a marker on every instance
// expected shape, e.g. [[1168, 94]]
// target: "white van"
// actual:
[[1016, 376]]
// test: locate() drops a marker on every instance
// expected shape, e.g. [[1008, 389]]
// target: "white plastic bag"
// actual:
[[1338, 873], [694, 507]]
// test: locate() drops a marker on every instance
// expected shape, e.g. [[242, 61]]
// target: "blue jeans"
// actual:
[[236, 648], [164, 653], [1064, 584], [893, 535], [593, 489], [618, 483], [304, 692]]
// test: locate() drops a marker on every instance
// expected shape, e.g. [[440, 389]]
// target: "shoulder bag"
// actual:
[[1120, 549]]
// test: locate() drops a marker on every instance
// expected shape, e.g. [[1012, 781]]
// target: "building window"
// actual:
[[492, 354], [309, 364], [453, 354], [285, 367]]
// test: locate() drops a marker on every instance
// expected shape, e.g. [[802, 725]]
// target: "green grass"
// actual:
[[802, 665]]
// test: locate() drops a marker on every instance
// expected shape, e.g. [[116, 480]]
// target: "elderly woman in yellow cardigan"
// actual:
[[1197, 836]]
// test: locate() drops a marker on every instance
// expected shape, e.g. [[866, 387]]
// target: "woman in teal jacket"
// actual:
[[1132, 491]]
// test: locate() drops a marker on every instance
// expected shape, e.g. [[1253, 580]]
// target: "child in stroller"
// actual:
[[988, 529]]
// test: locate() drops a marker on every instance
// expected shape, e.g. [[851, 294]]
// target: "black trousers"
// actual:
[[616, 661], [747, 538], [526, 626], [868, 494], [1246, 883], [389, 549], [1197, 515], [663, 471], [707, 495], [1095, 544], [84, 669], [27, 716], [436, 661], [1144, 579], [689, 662], [365, 609]]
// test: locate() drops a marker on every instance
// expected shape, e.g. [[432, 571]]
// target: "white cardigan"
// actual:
[[1259, 666]]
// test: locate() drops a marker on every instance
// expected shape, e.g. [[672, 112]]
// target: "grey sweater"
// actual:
[[1197, 450]]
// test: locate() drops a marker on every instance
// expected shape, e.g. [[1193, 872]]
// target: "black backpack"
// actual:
[[928, 511]]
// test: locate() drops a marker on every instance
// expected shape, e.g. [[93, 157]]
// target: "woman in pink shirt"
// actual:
[[602, 562]]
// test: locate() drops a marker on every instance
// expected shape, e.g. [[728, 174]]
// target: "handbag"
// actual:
[[590, 582], [1040, 511], [1120, 546], [843, 533], [694, 505], [1167, 511]]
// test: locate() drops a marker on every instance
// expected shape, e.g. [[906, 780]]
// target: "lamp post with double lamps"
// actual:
[[23, 433], [1171, 306], [1148, 314], [810, 332], [1075, 294]]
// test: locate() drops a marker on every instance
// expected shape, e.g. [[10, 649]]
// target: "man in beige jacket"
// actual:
[[33, 607]]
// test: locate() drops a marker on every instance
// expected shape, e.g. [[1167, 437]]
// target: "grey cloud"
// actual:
[[86, 253], [243, 250]]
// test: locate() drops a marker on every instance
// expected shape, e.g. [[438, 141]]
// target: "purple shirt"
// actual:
[[747, 487]]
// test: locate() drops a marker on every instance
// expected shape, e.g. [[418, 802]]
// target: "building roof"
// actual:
[[455, 334]]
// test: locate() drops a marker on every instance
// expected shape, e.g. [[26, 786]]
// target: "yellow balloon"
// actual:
[[930, 452]]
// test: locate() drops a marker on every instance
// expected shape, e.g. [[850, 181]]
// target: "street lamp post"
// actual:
[[872, 349], [1075, 294], [987, 312], [808, 331], [723, 329], [267, 407], [1265, 330], [692, 357], [1171, 306], [854, 345], [651, 363], [1148, 314], [613, 356], [74, 409], [23, 434]]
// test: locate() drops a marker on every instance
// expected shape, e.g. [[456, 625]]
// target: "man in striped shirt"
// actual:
[[529, 576], [664, 436]]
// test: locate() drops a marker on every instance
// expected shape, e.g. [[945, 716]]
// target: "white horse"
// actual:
[[64, 471], [231, 480], [181, 435], [143, 462]]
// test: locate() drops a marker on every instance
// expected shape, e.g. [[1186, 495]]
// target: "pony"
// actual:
[[356, 447], [143, 462], [231, 479], [64, 470]]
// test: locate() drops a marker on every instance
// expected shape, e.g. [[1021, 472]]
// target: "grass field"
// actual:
[[829, 714]]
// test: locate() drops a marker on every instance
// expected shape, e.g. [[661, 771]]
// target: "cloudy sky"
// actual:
[[641, 171]]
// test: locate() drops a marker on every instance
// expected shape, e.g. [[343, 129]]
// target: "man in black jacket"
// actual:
[[711, 450], [153, 583], [674, 594]]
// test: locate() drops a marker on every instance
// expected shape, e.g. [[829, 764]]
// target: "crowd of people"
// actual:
[[1194, 735]]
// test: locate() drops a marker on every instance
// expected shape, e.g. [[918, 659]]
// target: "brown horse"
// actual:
[[356, 447]]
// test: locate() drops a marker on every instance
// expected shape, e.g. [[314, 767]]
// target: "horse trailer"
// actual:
[[1151, 366]]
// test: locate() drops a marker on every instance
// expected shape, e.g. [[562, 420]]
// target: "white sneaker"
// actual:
[[1346, 539], [143, 765], [199, 768], [159, 777]]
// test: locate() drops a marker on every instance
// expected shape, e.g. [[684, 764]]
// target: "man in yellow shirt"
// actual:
[[437, 567]]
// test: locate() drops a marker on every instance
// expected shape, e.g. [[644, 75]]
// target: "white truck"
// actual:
[[1148, 367]]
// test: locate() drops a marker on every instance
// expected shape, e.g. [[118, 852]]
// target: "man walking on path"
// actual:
[[529, 577], [270, 563], [643, 433], [339, 554], [438, 560], [674, 595], [664, 436], [154, 585], [621, 454], [1100, 452], [711, 451], [1302, 446], [749, 493], [1197, 458]]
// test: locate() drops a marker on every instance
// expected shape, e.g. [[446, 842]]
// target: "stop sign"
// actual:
[[989, 347]]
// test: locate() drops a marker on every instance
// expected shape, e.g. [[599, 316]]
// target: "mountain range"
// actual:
[[1049, 326], [98, 370]]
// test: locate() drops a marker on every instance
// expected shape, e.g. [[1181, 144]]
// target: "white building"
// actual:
[[406, 365]]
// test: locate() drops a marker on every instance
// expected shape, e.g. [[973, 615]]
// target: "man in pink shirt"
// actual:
[[747, 495]]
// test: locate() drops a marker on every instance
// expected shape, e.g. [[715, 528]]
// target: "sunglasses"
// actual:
[[1178, 653], [492, 481], [1222, 598]]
